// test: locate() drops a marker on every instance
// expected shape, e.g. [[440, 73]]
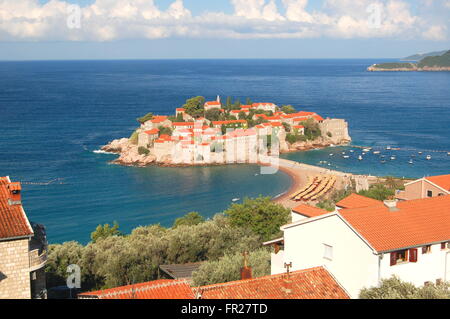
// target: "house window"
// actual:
[[328, 252], [444, 246], [430, 193], [426, 249], [403, 256]]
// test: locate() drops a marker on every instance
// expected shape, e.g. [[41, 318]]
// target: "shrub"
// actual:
[[394, 288], [134, 138], [190, 219], [145, 118], [228, 268], [143, 150], [260, 215]]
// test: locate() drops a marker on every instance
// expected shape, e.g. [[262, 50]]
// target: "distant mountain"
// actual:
[[429, 63], [418, 57]]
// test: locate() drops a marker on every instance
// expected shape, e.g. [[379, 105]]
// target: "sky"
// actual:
[[153, 29]]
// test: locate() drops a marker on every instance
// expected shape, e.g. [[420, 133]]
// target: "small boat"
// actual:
[[411, 161], [388, 148], [448, 154], [331, 154], [383, 162], [351, 151], [360, 158], [343, 153], [346, 156], [393, 158], [428, 157], [235, 200], [420, 153], [363, 153], [366, 150], [377, 152]]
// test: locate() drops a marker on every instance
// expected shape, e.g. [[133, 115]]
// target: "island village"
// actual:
[[211, 133]]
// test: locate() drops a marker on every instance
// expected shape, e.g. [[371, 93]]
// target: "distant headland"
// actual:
[[427, 63], [214, 133]]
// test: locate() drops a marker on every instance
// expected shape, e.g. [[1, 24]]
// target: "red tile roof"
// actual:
[[183, 124], [442, 181], [159, 289], [13, 221], [159, 119], [415, 223], [358, 201], [152, 132], [229, 122], [314, 283], [309, 211], [211, 103]]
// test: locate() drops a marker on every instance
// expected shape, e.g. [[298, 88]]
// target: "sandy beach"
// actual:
[[300, 172]]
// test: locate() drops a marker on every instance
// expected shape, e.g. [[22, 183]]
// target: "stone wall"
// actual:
[[338, 129], [14, 270]]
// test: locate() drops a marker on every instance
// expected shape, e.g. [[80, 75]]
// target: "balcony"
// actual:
[[38, 248], [38, 258]]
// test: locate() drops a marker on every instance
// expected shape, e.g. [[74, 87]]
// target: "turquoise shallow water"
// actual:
[[55, 114]]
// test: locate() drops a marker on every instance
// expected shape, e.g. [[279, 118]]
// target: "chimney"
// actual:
[[392, 205], [246, 272], [14, 194], [287, 282]]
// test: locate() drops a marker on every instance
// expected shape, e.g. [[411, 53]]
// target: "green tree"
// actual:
[[248, 101], [378, 192], [288, 109], [195, 106], [312, 130], [104, 231], [165, 130], [228, 268], [228, 103], [213, 114], [242, 115], [394, 288], [189, 219], [145, 118], [143, 150], [260, 215]]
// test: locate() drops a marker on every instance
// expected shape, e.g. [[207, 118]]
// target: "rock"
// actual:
[[116, 146]]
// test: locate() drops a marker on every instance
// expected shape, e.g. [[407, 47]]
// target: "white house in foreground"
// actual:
[[360, 244]]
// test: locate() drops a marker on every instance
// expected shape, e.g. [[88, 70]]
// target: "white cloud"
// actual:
[[435, 33], [107, 20]]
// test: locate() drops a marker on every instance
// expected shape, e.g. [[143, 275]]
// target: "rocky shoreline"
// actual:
[[412, 69], [129, 153]]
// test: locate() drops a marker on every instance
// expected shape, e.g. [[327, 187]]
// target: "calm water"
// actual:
[[55, 114]]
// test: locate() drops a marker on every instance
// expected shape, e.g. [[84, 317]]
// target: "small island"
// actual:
[[428, 63], [215, 133]]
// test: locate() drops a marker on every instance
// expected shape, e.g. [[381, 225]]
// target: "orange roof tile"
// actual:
[[229, 122], [13, 220], [152, 132], [441, 180], [159, 289], [183, 124], [211, 103], [415, 223], [357, 201], [309, 211], [314, 283], [159, 119]]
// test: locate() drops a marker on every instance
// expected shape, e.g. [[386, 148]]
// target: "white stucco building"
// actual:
[[360, 244]]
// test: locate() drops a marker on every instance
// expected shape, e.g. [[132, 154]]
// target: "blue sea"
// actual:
[[55, 114]]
